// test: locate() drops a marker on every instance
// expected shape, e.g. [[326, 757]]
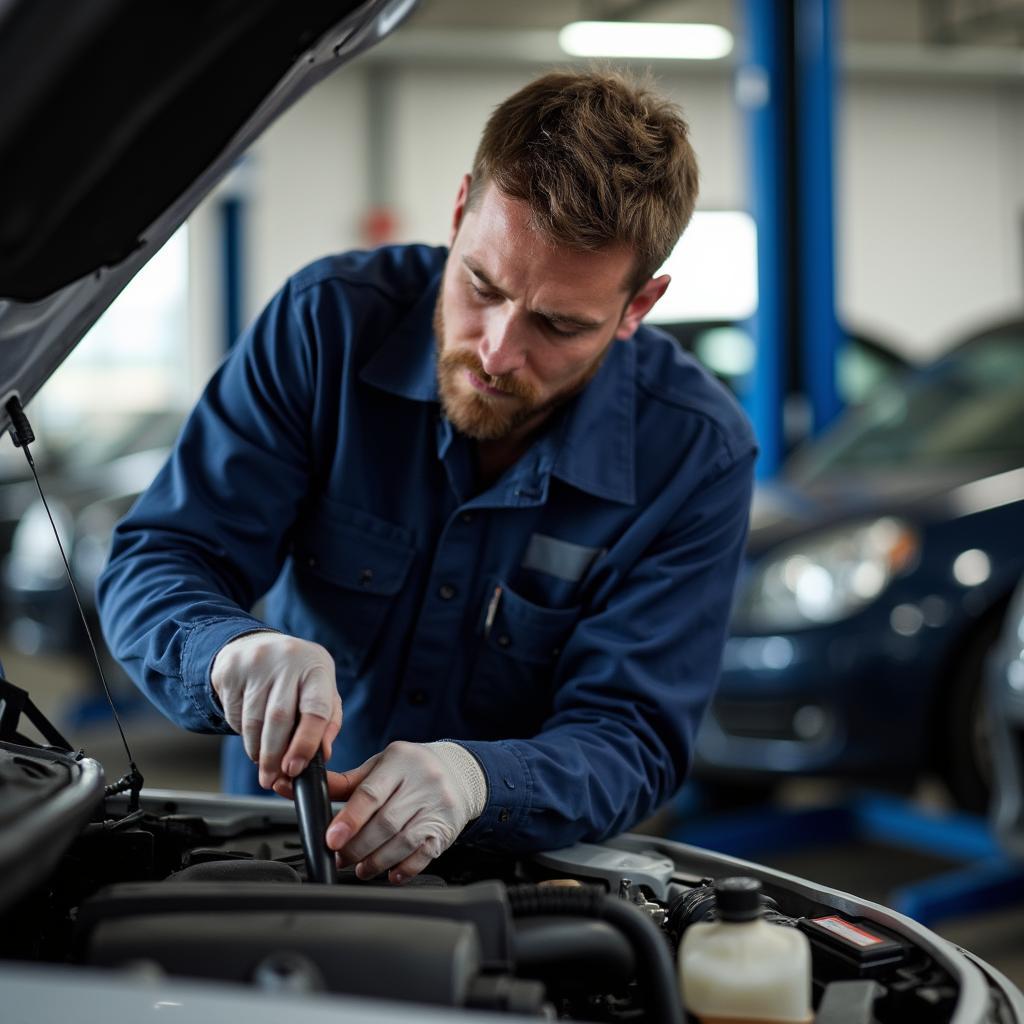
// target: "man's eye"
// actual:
[[563, 332], [481, 293]]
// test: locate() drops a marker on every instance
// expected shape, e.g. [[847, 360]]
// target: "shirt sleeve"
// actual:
[[210, 534], [636, 676]]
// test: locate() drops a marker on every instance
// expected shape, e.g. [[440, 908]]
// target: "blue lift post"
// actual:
[[762, 87], [232, 234], [816, 88], [786, 84]]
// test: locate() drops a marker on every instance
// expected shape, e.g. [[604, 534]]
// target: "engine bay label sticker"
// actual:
[[848, 931]]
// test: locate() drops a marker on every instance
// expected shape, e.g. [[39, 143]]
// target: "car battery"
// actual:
[[851, 949]]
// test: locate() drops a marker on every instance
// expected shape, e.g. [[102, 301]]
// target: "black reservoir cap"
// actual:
[[738, 898]]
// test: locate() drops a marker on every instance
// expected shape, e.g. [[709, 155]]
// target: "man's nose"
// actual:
[[502, 349]]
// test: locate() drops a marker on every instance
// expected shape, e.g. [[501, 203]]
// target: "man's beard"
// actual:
[[490, 419]]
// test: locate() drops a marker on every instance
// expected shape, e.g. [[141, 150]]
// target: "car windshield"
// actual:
[[967, 407]]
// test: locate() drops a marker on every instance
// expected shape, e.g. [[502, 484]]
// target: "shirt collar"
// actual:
[[404, 365], [598, 447], [595, 445]]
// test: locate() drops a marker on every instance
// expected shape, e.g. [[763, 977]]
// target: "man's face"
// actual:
[[523, 324]]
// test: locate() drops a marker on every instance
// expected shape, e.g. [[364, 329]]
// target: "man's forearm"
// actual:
[[166, 644]]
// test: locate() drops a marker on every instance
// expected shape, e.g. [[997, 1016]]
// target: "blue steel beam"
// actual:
[[819, 331], [785, 84], [232, 236], [762, 88]]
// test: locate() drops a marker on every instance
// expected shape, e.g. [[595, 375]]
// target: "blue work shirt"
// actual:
[[565, 623]]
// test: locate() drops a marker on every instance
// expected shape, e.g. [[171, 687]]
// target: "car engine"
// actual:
[[206, 887]]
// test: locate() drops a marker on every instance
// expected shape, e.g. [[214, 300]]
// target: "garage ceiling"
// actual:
[[925, 40], [963, 22]]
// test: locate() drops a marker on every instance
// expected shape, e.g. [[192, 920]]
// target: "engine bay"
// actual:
[[193, 886]]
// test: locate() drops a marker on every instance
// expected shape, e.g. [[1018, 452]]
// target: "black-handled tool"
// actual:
[[313, 807]]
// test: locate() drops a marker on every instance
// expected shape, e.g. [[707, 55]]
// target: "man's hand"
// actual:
[[265, 682], [405, 807]]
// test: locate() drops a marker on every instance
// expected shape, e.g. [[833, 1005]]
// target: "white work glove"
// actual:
[[280, 695], [406, 806]]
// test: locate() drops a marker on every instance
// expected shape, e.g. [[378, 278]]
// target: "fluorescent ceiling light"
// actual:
[[669, 41]]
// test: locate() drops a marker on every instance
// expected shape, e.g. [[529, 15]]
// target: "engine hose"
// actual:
[[654, 964]]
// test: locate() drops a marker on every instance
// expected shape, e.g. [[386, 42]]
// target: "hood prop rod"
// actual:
[[22, 435]]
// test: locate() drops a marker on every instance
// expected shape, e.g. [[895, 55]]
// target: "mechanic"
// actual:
[[489, 514]]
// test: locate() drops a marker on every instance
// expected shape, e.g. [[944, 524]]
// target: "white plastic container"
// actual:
[[742, 969]]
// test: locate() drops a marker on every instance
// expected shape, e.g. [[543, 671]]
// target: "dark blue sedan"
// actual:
[[879, 571], [1006, 713]]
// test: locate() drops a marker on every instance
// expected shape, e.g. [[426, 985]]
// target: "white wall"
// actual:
[[440, 115], [930, 185], [438, 119], [931, 194], [305, 182], [308, 183]]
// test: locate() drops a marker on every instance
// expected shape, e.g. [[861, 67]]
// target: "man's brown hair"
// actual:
[[600, 158]]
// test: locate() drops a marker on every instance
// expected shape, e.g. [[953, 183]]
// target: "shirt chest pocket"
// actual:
[[511, 687], [350, 568]]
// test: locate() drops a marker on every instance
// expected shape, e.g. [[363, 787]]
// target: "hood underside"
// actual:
[[118, 117]]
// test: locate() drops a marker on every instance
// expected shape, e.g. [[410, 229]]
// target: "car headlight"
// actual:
[[826, 577]]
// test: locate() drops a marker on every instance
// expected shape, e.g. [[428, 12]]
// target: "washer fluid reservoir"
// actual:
[[742, 969]]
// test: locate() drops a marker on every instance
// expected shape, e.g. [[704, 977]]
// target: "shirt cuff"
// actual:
[[205, 639], [509, 792]]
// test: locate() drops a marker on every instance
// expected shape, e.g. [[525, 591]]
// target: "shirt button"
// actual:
[[366, 577], [504, 640], [446, 591], [311, 562], [504, 817], [418, 698], [467, 517]]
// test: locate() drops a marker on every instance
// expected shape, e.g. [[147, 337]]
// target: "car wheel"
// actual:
[[965, 755]]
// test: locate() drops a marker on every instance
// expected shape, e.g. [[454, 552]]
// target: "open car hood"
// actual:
[[118, 118]]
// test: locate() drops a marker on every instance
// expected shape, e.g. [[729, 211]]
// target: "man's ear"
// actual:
[[460, 208], [640, 305]]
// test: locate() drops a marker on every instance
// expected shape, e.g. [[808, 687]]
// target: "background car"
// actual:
[[1005, 672], [100, 479], [878, 573], [727, 348], [53, 455]]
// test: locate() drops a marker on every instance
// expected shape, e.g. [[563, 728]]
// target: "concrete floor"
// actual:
[[172, 758]]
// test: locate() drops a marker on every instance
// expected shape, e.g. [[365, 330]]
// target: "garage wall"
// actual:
[[930, 185], [440, 115], [308, 183], [305, 184], [931, 195]]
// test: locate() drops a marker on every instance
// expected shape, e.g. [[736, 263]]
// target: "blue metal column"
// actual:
[[785, 85], [819, 331], [232, 225], [762, 89]]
